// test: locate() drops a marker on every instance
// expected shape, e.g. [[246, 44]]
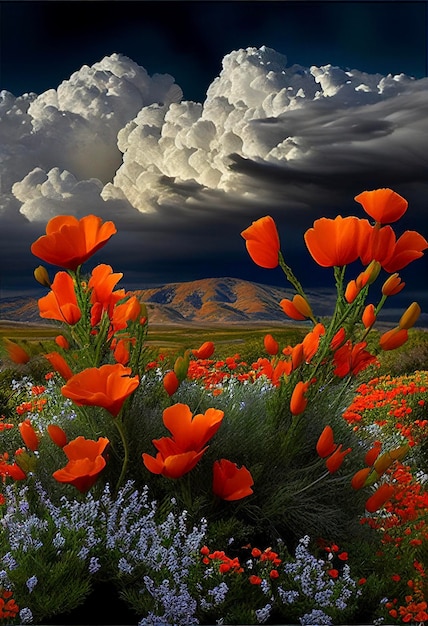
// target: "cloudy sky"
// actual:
[[185, 121]]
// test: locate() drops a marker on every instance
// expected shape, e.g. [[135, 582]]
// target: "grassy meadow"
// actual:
[[245, 340]]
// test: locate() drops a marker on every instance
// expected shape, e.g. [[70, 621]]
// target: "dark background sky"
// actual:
[[43, 43]]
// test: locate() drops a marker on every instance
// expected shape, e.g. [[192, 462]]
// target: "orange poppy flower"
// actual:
[[191, 432], [262, 242], [101, 284], [204, 351], [69, 242], [383, 205], [325, 444], [29, 435], [15, 352], [125, 312], [334, 242], [61, 302], [380, 244], [172, 465], [85, 463], [107, 386], [271, 345], [334, 461], [379, 497], [59, 364], [230, 482]]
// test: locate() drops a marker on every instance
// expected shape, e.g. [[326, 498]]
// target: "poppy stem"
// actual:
[[319, 479], [120, 428], [290, 276]]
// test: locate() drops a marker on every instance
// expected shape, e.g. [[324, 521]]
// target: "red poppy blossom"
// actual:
[[383, 205], [230, 482], [69, 242], [334, 242], [61, 302], [107, 386], [85, 463], [262, 242]]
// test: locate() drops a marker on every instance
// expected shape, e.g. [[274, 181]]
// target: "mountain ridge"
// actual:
[[205, 301]]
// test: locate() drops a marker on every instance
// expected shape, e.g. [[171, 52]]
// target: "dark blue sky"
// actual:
[[43, 43]]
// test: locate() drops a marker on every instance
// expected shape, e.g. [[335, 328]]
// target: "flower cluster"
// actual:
[[248, 455]]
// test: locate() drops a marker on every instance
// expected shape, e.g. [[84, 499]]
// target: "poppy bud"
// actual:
[[15, 352], [369, 316], [29, 435], [351, 292], [62, 342], [336, 459], [370, 274], [57, 435], [171, 382], [359, 478], [42, 276], [181, 366], [325, 444], [380, 496], [394, 338], [204, 351], [410, 316], [392, 285], [271, 345], [298, 400]]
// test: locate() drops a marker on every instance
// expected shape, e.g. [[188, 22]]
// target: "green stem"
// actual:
[[290, 276], [120, 428], [312, 483]]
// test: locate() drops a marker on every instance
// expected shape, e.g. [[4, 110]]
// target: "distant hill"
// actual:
[[206, 301]]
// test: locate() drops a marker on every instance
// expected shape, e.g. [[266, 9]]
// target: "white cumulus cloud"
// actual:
[[183, 178]]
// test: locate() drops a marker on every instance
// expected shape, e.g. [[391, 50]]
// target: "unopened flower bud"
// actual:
[[42, 276], [410, 316], [392, 285]]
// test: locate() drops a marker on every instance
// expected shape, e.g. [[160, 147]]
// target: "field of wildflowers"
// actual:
[[189, 489]]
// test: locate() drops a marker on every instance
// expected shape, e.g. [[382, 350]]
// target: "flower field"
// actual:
[[281, 478]]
